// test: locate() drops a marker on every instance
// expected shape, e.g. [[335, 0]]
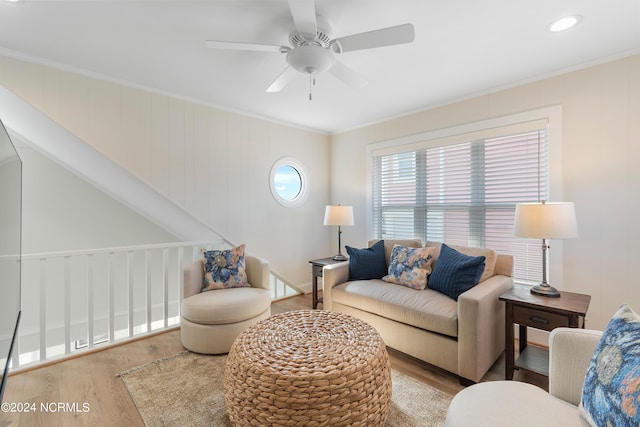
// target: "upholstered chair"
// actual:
[[514, 403], [210, 321]]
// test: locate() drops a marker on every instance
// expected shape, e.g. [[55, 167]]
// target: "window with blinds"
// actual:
[[464, 193]]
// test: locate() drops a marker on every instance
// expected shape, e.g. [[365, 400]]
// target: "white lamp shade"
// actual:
[[338, 215], [550, 220]]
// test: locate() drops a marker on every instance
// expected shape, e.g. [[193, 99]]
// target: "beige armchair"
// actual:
[[210, 321], [513, 403]]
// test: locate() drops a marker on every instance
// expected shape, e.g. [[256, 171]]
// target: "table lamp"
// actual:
[[338, 215], [545, 220]]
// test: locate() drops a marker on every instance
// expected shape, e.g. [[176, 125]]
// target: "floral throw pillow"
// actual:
[[410, 266], [225, 269], [611, 389]]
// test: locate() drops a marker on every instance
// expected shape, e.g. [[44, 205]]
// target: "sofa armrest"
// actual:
[[333, 275], [570, 351], [257, 272], [481, 326], [193, 278]]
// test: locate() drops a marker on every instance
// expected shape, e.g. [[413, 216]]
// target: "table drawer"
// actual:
[[539, 319]]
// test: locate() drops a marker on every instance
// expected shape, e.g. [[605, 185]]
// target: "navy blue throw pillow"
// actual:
[[455, 272], [367, 263]]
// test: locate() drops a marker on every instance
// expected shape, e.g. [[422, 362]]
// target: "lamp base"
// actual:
[[545, 290], [339, 257]]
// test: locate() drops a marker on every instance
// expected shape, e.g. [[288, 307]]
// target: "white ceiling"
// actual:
[[462, 48]]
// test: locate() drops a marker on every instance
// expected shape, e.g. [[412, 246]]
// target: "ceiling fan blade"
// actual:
[[389, 36], [347, 75], [282, 80], [219, 44], [304, 16]]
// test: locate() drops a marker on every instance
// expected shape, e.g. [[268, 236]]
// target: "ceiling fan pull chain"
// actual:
[[314, 81]]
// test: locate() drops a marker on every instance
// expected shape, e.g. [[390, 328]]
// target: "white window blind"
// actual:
[[464, 193]]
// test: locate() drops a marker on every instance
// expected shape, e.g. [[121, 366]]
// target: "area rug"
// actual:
[[186, 390]]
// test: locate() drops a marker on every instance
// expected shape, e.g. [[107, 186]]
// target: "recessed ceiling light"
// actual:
[[564, 23]]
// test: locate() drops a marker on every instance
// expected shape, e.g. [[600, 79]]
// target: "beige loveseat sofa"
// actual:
[[513, 403], [464, 337]]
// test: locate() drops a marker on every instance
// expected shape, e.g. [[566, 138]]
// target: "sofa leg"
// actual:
[[465, 382]]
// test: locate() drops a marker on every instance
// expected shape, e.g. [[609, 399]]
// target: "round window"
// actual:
[[288, 182]]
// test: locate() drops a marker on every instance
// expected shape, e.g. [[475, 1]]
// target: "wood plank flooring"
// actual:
[[92, 395]]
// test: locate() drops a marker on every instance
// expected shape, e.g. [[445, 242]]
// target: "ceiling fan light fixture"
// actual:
[[311, 59], [313, 51]]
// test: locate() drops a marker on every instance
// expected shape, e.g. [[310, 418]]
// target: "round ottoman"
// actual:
[[308, 368]]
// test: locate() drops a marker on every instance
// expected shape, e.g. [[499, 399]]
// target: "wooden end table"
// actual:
[[545, 313], [316, 272]]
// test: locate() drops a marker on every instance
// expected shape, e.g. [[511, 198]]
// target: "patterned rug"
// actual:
[[186, 390]]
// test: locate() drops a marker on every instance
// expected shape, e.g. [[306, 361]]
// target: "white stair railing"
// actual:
[[74, 301]]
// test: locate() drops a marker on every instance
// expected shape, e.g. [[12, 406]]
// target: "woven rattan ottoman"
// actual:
[[308, 368]]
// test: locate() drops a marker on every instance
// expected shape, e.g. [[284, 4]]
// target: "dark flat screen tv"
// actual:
[[10, 250]]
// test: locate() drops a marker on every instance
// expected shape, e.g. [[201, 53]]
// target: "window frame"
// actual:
[[304, 184], [480, 130]]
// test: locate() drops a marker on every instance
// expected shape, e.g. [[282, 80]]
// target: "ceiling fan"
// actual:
[[312, 51]]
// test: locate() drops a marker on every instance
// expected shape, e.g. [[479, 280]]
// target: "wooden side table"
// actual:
[[316, 272], [546, 313]]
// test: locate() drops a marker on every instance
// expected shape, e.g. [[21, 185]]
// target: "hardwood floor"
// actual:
[[90, 394]]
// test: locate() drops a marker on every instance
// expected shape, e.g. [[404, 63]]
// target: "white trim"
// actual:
[[304, 182], [552, 114], [442, 138], [493, 90], [522, 118], [36, 130], [103, 77]]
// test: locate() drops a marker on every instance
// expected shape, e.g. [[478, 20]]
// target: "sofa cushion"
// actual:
[[367, 263], [225, 305], [225, 269], [611, 389], [491, 257], [410, 266], [425, 309], [455, 272], [389, 244]]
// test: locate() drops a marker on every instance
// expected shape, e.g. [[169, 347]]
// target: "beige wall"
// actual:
[[216, 164], [600, 172], [213, 163], [58, 203]]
